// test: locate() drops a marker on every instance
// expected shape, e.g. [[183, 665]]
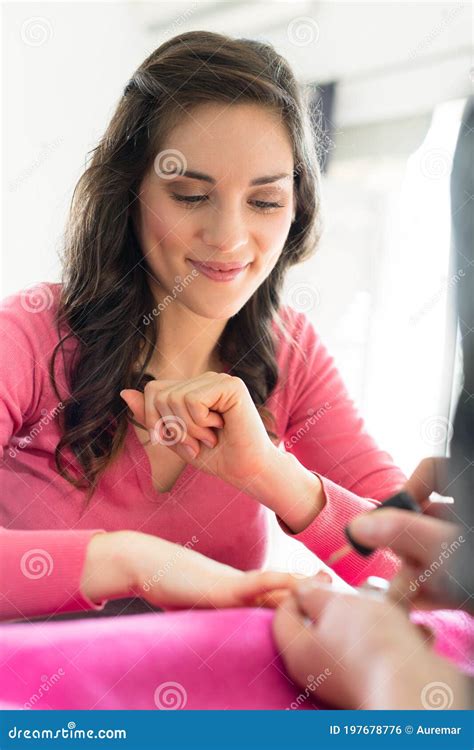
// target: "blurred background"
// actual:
[[387, 81]]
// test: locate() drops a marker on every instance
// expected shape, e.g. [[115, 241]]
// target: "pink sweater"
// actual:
[[46, 528]]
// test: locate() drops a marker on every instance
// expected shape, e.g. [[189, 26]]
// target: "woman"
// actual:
[[207, 164]]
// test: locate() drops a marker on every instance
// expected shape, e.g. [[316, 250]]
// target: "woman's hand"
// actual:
[[423, 542], [128, 563], [214, 417], [209, 421], [354, 651]]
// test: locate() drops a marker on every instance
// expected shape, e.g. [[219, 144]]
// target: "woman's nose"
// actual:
[[226, 231]]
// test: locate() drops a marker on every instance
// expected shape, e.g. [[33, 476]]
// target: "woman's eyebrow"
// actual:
[[257, 181], [269, 178]]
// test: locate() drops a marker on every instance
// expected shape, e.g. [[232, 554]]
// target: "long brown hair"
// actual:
[[105, 296]]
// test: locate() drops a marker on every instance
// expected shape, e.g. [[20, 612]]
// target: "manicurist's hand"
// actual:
[[128, 563], [424, 542], [353, 651], [212, 423]]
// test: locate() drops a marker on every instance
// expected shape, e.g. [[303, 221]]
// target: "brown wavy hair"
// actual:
[[105, 296]]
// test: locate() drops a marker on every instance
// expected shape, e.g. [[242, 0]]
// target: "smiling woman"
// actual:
[[240, 220], [200, 103], [202, 193]]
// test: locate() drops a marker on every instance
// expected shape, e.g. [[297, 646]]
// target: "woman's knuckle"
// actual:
[[188, 399], [149, 387], [174, 399], [265, 577], [234, 380]]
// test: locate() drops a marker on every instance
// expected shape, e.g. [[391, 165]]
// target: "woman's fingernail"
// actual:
[[323, 575], [190, 451], [363, 525], [308, 585], [208, 443]]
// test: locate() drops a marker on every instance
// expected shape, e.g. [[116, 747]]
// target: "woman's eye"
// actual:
[[266, 206], [189, 198]]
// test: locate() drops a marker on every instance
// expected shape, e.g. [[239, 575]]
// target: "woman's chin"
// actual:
[[216, 311]]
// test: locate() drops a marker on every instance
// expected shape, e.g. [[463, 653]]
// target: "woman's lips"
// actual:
[[215, 275]]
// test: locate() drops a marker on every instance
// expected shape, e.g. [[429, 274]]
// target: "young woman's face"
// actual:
[[227, 218]]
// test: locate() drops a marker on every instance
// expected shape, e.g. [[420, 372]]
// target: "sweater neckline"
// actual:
[[142, 466]]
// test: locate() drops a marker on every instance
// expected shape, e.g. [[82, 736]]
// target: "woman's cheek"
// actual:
[[269, 259], [278, 231], [166, 229]]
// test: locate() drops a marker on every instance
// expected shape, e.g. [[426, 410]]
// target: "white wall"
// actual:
[[57, 98]]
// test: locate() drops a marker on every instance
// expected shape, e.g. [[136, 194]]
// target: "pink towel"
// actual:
[[454, 635], [196, 659], [209, 659]]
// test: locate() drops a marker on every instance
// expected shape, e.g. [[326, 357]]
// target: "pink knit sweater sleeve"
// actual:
[[327, 435], [40, 570]]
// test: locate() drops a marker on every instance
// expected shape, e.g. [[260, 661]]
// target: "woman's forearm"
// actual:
[[288, 488], [108, 571], [128, 564]]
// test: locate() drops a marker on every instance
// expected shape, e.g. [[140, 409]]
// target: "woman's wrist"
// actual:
[[109, 570], [288, 488]]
